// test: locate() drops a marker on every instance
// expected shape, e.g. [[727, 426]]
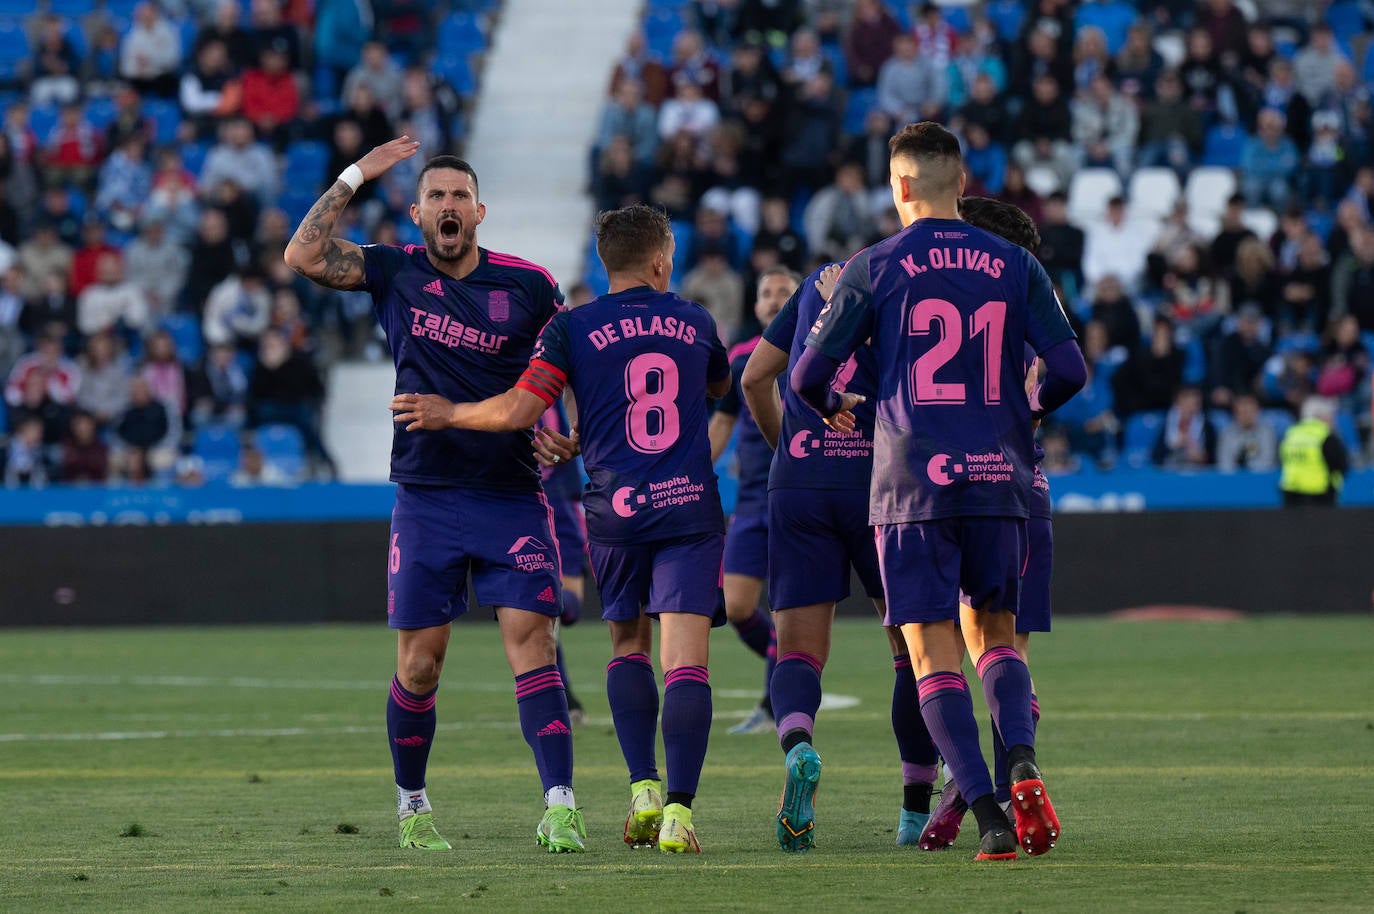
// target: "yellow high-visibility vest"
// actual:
[[1304, 468]]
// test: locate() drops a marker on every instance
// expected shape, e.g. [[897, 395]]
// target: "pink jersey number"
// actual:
[[935, 315], [652, 423]]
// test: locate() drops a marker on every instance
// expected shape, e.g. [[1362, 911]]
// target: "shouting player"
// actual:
[[949, 309], [819, 531], [461, 322], [746, 539], [1013, 224], [641, 363]]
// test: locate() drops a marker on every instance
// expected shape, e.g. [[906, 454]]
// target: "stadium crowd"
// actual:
[[1202, 174]]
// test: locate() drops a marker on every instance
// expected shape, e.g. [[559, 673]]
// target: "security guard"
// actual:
[[1313, 457]]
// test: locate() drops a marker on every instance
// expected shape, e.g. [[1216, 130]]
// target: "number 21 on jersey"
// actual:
[[935, 315]]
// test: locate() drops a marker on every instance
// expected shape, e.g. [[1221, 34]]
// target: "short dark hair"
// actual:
[[929, 144], [447, 161], [1002, 219], [626, 238]]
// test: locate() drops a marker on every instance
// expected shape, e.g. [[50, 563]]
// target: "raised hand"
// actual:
[[825, 283], [380, 159]]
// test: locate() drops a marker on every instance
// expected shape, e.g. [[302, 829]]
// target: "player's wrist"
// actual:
[[353, 177]]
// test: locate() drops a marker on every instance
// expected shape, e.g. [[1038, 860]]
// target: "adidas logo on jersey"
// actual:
[[546, 596], [435, 288], [556, 728]]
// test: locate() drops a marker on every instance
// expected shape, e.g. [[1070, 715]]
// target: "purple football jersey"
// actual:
[[752, 453], [565, 479], [638, 362], [949, 309], [811, 455], [466, 340]]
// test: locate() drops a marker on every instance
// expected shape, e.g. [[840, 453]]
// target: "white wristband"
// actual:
[[353, 177]]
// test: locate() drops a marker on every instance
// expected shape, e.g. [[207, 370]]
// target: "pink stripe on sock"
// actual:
[[919, 774], [804, 658], [797, 720], [901, 663], [629, 658], [412, 703], [687, 674], [995, 655], [1035, 708], [539, 683], [927, 686]]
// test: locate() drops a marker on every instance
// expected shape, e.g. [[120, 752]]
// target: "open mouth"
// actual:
[[450, 230]]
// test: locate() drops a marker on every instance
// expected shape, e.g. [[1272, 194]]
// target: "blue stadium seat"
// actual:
[[306, 161], [1280, 419], [100, 112], [166, 118], [462, 32], [900, 10], [1297, 341], [838, 67], [193, 156], [71, 8], [684, 234], [282, 446], [16, 9], [861, 102], [42, 120], [456, 71], [1139, 436], [1220, 419], [1006, 16], [217, 446], [4, 417], [1194, 361], [1349, 433], [185, 331], [661, 26], [296, 202], [324, 84], [1345, 18], [1223, 145]]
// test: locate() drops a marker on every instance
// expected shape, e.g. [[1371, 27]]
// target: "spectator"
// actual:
[[935, 38], [341, 28], [1151, 374], [364, 109], [1349, 223], [26, 462], [813, 122], [693, 62], [55, 66], [1315, 65], [12, 342], [1305, 293], [59, 376], [868, 43], [212, 259], [350, 145], [1016, 192], [776, 234], [101, 67], [1113, 18], [1343, 366], [977, 56], [619, 180], [71, 152], [1324, 164], [144, 424], [1114, 311], [253, 470], [805, 60], [379, 73], [1088, 419], [1091, 58], [911, 87], [1251, 281], [126, 182], [1226, 26], [639, 64], [286, 389], [1202, 75], [166, 376], [52, 309], [1045, 127], [150, 53], [111, 302], [266, 27], [18, 182], [173, 200], [157, 265], [211, 91], [715, 286], [1313, 457], [1352, 281], [221, 388], [628, 115], [985, 107], [1117, 246], [239, 158], [1170, 128], [750, 76], [1190, 293], [105, 377], [238, 309], [688, 111], [1138, 67], [1268, 162], [43, 254], [1281, 93], [1240, 357], [36, 402], [227, 29], [85, 457], [1187, 440], [985, 162], [1247, 442], [1234, 232], [870, 153], [429, 105], [838, 220], [1061, 244]]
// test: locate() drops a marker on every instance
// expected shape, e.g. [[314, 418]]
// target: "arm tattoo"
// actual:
[[336, 264]]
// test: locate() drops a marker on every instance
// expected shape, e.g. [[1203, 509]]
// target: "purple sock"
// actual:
[[757, 632], [410, 721], [544, 721], [1001, 767], [920, 758], [796, 694], [633, 693], [1007, 690], [770, 663], [947, 708], [686, 726]]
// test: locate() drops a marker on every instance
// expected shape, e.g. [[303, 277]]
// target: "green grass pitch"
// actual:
[[1196, 767]]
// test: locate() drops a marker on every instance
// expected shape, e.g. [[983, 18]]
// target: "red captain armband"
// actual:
[[546, 381]]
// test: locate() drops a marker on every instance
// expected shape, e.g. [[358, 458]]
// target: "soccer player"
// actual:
[[746, 539], [461, 322], [641, 363], [563, 487], [1011, 223], [949, 309], [819, 531]]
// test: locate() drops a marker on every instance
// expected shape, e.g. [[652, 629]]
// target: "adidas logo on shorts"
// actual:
[[546, 596]]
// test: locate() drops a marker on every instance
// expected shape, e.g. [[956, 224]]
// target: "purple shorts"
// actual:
[[814, 537], [925, 566], [1034, 614], [746, 545], [570, 526], [440, 534], [680, 575]]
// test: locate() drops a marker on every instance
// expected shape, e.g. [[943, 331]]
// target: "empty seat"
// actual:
[[1153, 192], [1089, 192]]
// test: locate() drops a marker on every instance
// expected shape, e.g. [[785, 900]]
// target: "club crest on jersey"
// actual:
[[498, 305]]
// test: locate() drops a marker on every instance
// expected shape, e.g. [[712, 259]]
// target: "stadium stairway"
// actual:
[[535, 120], [357, 425]]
